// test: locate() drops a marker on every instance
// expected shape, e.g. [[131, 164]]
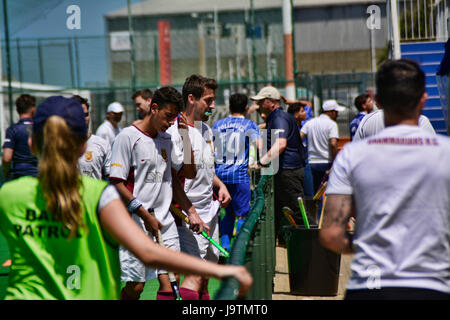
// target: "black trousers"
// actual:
[[288, 184], [395, 293]]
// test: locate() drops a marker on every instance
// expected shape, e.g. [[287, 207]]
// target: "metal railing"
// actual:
[[422, 20], [254, 246]]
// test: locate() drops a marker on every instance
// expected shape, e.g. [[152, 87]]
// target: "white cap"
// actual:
[[115, 107], [268, 92], [330, 105]]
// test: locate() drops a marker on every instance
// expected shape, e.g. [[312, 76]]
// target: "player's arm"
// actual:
[[6, 161], [179, 197], [280, 143], [106, 166], [117, 222], [189, 169], [277, 148], [222, 192], [333, 143], [334, 235], [151, 223]]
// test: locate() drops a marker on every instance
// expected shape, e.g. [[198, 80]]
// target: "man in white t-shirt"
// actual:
[[199, 96], [96, 159], [141, 170], [322, 136], [109, 129], [397, 183], [374, 123]]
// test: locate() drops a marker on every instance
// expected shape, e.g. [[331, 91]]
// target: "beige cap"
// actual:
[[268, 92]]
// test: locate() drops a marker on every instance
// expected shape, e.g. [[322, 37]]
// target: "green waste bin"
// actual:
[[313, 269]]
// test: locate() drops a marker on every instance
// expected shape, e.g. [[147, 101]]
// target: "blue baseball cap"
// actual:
[[67, 108]]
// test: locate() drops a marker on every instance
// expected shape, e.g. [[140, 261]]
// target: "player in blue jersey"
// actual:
[[18, 160], [364, 104], [234, 135]]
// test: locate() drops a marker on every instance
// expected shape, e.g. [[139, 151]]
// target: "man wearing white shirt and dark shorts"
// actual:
[[397, 185], [141, 170], [322, 136]]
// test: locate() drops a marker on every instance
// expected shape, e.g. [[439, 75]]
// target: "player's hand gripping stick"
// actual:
[[204, 234], [172, 278]]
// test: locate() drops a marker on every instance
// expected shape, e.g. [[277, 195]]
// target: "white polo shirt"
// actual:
[[318, 132], [108, 132], [96, 160], [145, 163], [400, 182], [200, 189], [374, 123]]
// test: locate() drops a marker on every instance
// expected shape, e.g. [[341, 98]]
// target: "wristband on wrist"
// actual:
[[133, 205], [262, 165]]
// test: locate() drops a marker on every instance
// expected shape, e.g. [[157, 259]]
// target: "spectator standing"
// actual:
[[285, 147], [110, 128], [322, 135], [233, 137], [300, 113], [364, 104], [17, 159]]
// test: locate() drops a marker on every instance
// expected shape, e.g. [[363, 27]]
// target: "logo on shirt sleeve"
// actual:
[[88, 156]]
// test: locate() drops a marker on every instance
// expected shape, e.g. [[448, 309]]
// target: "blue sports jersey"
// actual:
[[232, 140], [354, 124], [16, 138], [309, 115]]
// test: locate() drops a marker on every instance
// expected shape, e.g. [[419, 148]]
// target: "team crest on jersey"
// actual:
[[88, 156], [164, 154]]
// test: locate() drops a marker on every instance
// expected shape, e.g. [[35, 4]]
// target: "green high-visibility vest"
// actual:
[[46, 264]]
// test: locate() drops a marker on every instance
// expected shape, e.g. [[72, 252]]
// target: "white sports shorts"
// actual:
[[197, 245], [132, 269]]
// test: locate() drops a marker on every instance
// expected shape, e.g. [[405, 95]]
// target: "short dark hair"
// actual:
[[400, 86], [293, 108], [144, 93], [81, 100], [168, 95], [24, 103], [360, 100], [195, 84], [238, 103]]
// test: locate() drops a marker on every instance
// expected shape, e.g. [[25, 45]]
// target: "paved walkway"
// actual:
[[281, 287]]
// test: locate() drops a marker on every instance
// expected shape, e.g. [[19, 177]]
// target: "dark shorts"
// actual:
[[240, 199]]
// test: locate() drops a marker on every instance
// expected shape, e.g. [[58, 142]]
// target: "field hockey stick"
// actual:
[[322, 187], [323, 211], [204, 234], [321, 191], [288, 214], [302, 210], [172, 278]]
